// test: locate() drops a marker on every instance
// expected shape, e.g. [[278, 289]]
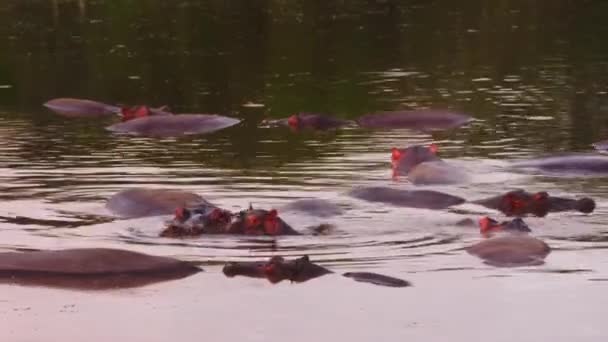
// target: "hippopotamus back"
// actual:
[[436, 172], [140, 202]]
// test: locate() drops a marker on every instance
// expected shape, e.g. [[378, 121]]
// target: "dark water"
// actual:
[[533, 74]]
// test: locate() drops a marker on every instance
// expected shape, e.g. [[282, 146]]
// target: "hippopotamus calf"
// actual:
[[310, 121], [173, 125], [520, 203], [511, 251], [422, 166], [423, 120], [80, 108], [90, 268], [488, 225], [590, 164], [424, 199], [141, 202]]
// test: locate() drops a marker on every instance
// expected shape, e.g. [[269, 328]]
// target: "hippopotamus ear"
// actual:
[[182, 214], [542, 195], [486, 223], [396, 154], [433, 148], [293, 120]]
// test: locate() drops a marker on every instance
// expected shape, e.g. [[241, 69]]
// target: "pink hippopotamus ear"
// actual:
[[433, 148], [395, 153]]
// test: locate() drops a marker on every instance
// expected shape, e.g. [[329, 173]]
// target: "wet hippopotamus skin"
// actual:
[[71, 107], [300, 270], [173, 125], [277, 269], [301, 121], [488, 225], [422, 166], [567, 164], [423, 120], [209, 219], [313, 206], [520, 203], [423, 199], [511, 250], [90, 268], [142, 202]]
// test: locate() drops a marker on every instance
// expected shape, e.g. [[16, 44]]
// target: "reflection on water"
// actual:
[[533, 75]]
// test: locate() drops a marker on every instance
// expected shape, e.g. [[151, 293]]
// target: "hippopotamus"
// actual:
[[488, 225], [87, 108], [90, 268], [519, 203], [423, 120], [511, 250], [141, 202], [313, 121], [577, 164], [208, 219], [173, 125], [422, 166], [424, 199], [300, 270]]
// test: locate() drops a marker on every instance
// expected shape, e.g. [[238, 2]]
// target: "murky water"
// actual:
[[533, 75]]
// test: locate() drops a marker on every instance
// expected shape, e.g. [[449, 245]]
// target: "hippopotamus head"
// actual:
[[406, 159], [488, 225], [519, 202], [129, 113], [260, 222], [203, 219], [277, 269]]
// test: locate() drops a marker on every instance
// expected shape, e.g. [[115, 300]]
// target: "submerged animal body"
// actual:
[[423, 120], [173, 125], [141, 202], [427, 199], [422, 166], [90, 268], [312, 121], [71, 107], [511, 250], [577, 164], [300, 270], [520, 203]]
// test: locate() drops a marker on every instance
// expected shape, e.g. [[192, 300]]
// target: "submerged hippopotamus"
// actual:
[[313, 121], [300, 270], [511, 250], [173, 125], [421, 165], [425, 199], [488, 225], [90, 268], [209, 219], [141, 202], [577, 164], [520, 203], [423, 120], [87, 108], [313, 206]]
